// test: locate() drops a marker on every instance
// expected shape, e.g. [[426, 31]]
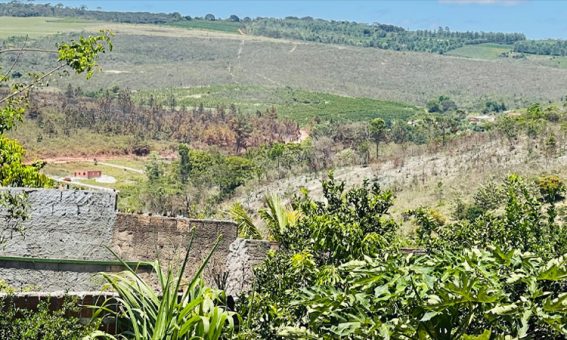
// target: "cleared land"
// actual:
[[168, 62], [481, 51], [149, 57], [421, 177]]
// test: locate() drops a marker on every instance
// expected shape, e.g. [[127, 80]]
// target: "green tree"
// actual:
[[377, 131], [314, 238], [276, 152], [184, 163]]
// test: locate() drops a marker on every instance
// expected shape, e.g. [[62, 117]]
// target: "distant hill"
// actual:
[[382, 36], [157, 57]]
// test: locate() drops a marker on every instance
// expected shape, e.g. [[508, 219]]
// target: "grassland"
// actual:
[[551, 61], [127, 182], [149, 62], [299, 105], [493, 52], [80, 143], [41, 26], [222, 26], [123, 177], [148, 57], [481, 51]]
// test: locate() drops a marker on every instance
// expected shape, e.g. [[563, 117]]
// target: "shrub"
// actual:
[[524, 220], [470, 294], [19, 323]]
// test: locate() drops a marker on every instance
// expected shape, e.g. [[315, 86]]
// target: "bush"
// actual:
[[515, 216], [314, 238], [18, 323], [471, 294]]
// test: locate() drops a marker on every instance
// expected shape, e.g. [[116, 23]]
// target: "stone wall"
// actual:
[[243, 257], [142, 237]]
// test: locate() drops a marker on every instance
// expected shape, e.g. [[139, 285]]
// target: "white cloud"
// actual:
[[483, 2]]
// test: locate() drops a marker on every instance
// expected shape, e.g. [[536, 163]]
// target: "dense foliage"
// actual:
[[338, 274], [62, 323], [470, 294], [374, 35], [315, 237], [543, 47], [511, 216]]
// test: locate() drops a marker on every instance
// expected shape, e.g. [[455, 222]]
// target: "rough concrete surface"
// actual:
[[64, 224], [79, 225], [244, 256]]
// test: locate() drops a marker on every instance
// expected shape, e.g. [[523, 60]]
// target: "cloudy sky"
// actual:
[[535, 18]]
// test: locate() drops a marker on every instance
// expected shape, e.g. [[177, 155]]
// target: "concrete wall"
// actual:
[[75, 224], [243, 257], [64, 224]]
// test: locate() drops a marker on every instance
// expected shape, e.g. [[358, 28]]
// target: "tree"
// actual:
[[242, 128], [184, 163], [210, 17], [234, 18], [81, 57], [276, 151], [441, 105], [377, 132]]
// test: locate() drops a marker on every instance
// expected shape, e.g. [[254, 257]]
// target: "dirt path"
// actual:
[[268, 79], [65, 159], [78, 184], [293, 48], [122, 167]]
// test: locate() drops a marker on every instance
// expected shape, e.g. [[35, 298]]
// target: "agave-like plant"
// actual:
[[278, 217], [173, 311], [246, 227]]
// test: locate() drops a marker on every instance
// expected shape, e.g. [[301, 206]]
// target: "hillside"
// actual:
[[426, 176], [148, 56]]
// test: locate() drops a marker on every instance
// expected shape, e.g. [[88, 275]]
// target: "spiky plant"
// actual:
[[173, 311], [246, 227]]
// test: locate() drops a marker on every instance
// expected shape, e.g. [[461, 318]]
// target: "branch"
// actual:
[[17, 58], [17, 50], [29, 86]]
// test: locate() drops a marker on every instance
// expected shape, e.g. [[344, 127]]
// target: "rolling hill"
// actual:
[[150, 56]]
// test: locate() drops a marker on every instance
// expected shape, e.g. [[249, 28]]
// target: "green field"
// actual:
[[481, 51], [41, 26], [299, 105], [222, 26], [135, 163]]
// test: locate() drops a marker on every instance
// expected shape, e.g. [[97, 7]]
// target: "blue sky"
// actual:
[[536, 18]]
